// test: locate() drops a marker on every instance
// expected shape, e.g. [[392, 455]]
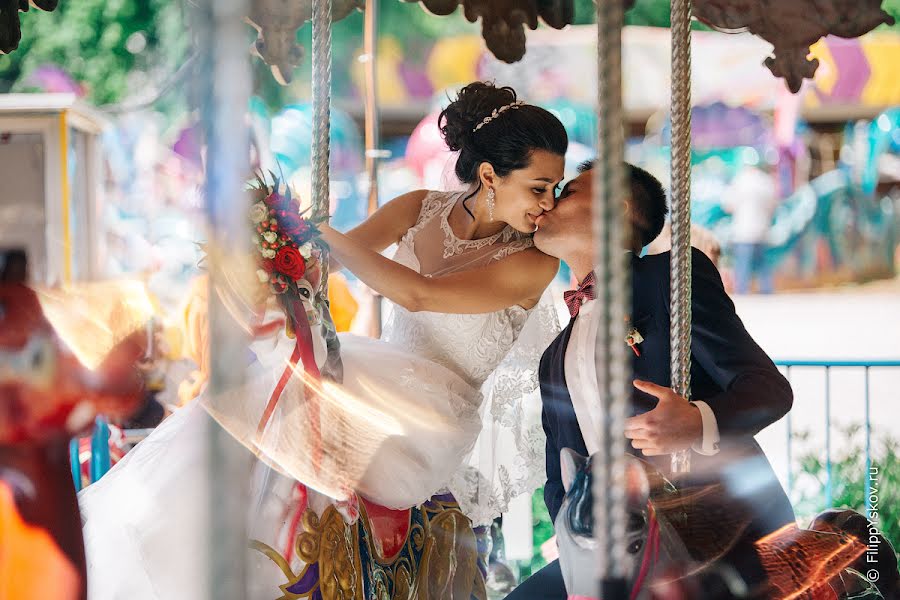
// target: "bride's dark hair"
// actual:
[[507, 141]]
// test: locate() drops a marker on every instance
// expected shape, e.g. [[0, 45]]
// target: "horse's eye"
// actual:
[[635, 546], [305, 293]]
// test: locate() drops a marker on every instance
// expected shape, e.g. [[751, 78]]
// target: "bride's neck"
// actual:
[[469, 228]]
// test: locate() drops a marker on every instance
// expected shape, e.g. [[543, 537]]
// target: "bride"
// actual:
[[456, 363]]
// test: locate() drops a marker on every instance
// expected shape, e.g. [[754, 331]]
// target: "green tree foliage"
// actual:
[[100, 43], [848, 480]]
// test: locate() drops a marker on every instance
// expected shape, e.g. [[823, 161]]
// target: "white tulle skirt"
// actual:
[[394, 431]]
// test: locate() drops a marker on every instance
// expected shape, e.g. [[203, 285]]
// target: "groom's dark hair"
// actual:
[[648, 201]]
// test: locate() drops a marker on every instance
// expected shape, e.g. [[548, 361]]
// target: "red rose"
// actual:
[[289, 262], [267, 265]]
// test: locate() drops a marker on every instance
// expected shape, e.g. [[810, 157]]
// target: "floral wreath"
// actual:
[[283, 236]]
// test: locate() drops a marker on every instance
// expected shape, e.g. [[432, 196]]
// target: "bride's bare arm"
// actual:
[[518, 279], [386, 225]]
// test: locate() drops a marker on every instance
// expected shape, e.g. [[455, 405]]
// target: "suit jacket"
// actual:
[[729, 371]]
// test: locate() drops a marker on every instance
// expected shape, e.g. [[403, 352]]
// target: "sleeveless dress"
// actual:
[[443, 402]]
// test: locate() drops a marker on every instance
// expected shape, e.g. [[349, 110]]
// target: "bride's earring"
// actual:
[[490, 203]]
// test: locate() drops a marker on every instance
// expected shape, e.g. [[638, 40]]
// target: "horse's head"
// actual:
[[313, 293], [45, 389], [678, 543], [291, 267], [575, 521]]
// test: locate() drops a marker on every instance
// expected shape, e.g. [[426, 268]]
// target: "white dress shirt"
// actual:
[[581, 379]]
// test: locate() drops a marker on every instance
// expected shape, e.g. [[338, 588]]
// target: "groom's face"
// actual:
[[567, 227]]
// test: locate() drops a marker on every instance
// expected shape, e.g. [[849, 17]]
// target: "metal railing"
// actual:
[[827, 367]]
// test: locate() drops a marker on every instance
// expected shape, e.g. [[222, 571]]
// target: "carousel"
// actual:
[[354, 549]]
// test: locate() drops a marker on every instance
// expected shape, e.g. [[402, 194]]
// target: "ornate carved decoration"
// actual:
[[449, 568], [792, 27], [277, 22], [11, 27], [438, 559], [503, 21]]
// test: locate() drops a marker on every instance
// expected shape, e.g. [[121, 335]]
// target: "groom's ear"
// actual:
[[570, 462]]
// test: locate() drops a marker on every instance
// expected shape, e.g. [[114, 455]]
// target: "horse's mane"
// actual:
[[580, 512]]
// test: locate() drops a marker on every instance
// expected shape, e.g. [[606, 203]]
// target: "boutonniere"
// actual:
[[634, 338]]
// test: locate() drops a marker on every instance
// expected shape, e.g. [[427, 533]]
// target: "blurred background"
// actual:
[[797, 197]]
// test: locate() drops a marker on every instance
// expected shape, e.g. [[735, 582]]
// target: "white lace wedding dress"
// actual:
[[443, 402]]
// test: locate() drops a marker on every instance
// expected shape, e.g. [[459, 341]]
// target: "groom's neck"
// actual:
[[581, 264]]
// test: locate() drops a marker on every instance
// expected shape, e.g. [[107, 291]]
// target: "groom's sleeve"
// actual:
[[754, 393], [553, 488]]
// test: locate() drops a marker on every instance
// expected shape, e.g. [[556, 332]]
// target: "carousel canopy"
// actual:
[[10, 26], [783, 24]]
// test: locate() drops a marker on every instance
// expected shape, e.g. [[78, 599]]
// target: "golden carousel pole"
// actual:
[[614, 300], [372, 116]]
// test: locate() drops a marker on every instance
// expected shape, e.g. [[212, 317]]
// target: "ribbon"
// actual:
[[303, 352]]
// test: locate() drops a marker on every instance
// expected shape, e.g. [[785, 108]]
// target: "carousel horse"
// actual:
[[677, 543], [355, 548], [349, 548], [47, 395]]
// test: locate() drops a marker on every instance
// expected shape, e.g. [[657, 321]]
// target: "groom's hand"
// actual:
[[675, 424]]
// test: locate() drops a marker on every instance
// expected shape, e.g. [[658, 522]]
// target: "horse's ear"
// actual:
[[570, 462]]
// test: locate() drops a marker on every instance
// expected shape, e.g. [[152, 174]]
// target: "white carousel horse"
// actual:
[[678, 540], [304, 543]]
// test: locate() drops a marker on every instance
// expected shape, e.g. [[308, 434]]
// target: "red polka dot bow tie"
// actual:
[[583, 293]]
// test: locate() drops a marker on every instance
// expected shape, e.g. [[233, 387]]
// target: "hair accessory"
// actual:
[[496, 113]]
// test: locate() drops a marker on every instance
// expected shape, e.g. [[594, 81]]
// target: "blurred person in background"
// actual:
[[751, 199]]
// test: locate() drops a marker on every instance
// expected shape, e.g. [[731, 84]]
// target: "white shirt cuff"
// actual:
[[710, 443]]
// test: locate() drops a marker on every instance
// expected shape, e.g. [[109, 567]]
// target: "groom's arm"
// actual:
[[754, 393]]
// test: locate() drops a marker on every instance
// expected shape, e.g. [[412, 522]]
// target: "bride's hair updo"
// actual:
[[507, 140]]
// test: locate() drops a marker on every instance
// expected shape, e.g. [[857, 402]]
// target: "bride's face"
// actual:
[[523, 195]]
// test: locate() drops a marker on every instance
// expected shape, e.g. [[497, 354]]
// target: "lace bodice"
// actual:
[[470, 345], [497, 353]]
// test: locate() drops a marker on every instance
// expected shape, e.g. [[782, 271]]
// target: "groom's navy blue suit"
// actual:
[[729, 372]]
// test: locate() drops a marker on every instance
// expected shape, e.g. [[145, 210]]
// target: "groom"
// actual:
[[738, 389]]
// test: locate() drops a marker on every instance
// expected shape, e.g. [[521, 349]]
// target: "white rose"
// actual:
[[263, 276], [268, 253], [259, 212], [305, 250], [270, 236]]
